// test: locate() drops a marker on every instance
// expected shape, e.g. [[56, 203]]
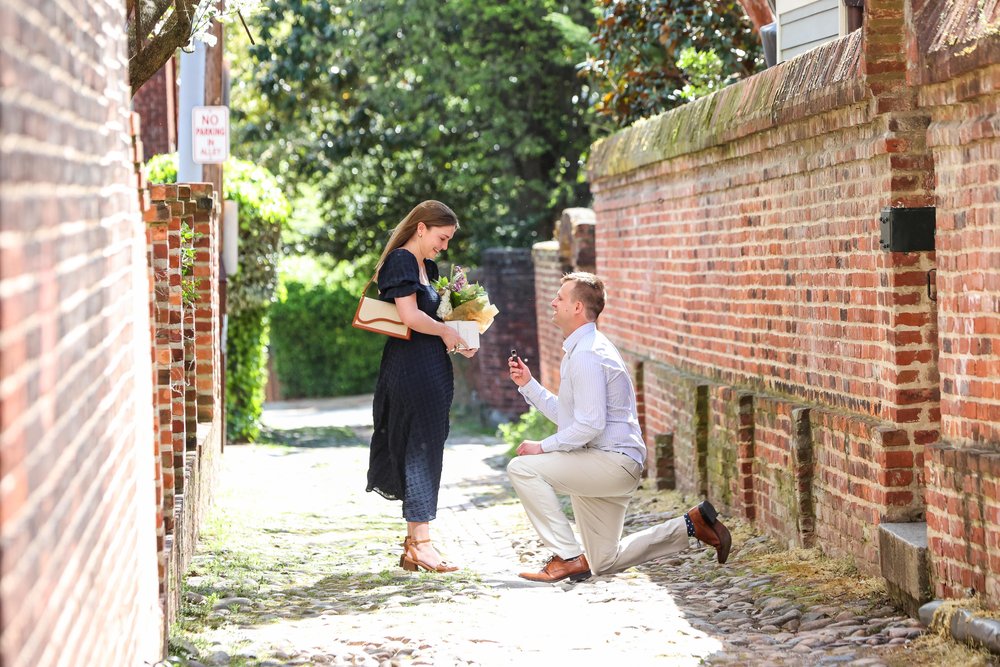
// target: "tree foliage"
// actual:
[[384, 103], [653, 55]]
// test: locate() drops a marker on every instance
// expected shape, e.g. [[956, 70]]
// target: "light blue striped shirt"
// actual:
[[596, 403]]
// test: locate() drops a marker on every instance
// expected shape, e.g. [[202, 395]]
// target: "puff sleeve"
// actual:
[[398, 276]]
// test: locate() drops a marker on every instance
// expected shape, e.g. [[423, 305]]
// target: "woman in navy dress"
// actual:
[[415, 383]]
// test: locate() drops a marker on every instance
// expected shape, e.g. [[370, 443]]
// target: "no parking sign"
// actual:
[[209, 135]]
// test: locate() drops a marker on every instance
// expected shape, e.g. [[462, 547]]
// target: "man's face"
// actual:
[[565, 307]]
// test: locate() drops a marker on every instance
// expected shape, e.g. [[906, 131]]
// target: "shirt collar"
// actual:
[[577, 336]]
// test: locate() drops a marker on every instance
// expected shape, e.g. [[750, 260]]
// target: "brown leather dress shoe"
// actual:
[[710, 530], [558, 569]]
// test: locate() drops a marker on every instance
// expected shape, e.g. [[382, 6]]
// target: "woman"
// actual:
[[415, 382]]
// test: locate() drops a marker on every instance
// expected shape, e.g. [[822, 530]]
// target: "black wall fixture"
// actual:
[[907, 229]]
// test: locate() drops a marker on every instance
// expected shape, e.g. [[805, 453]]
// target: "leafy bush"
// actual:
[[647, 57], [316, 350], [532, 425], [263, 211]]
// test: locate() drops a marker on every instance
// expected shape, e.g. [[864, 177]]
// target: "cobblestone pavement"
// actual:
[[297, 565]]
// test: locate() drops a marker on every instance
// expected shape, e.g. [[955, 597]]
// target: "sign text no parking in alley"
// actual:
[[210, 134]]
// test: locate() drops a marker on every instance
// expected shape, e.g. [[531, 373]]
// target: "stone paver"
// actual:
[[299, 566]]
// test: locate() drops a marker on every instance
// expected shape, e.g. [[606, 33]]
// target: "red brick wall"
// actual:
[[548, 270], [739, 238], [507, 275], [865, 472], [676, 405], [963, 521], [730, 451], [759, 259], [156, 104], [77, 566], [959, 69], [783, 459]]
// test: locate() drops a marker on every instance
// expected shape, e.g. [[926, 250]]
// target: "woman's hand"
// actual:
[[519, 372], [468, 353], [452, 341]]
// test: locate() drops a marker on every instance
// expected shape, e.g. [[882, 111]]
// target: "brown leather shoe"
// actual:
[[558, 569], [710, 530]]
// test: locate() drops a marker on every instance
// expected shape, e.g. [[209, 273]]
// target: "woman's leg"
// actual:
[[421, 547], [423, 479]]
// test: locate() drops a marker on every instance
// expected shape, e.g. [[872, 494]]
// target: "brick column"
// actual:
[[157, 218], [208, 378], [174, 332], [508, 276]]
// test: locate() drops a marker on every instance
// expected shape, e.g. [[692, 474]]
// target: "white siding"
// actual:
[[805, 24]]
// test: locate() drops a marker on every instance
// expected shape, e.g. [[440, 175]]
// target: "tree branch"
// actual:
[[150, 13], [176, 32]]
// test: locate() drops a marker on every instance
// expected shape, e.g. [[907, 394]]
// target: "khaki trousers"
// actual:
[[600, 485]]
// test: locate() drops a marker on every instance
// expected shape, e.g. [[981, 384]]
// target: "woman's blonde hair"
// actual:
[[432, 213]]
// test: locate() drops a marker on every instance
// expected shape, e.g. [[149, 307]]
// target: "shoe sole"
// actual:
[[708, 512], [725, 541], [579, 576], [711, 516]]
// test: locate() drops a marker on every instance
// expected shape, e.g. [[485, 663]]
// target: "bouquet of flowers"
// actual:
[[464, 301]]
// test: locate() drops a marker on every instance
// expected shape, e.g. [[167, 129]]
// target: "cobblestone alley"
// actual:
[[299, 566]]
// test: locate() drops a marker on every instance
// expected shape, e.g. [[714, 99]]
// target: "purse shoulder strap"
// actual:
[[372, 279]]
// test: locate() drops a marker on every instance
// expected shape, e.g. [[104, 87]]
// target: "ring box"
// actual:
[[469, 331]]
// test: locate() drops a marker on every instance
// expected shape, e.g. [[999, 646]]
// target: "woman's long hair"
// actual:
[[432, 213]]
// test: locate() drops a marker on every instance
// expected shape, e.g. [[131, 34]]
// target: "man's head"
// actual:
[[580, 300]]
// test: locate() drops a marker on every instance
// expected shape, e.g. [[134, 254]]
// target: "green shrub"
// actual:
[[316, 351], [263, 211], [532, 425]]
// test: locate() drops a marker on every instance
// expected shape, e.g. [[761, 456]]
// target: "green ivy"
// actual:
[[189, 285], [263, 211]]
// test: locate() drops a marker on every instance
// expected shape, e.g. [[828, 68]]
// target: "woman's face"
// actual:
[[434, 240]]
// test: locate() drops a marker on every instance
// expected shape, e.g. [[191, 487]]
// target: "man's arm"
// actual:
[[534, 393], [541, 398], [589, 385]]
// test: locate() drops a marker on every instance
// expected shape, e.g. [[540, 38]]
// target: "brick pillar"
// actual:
[[908, 374], [156, 218], [575, 232], [744, 458], [206, 310], [174, 330], [508, 276], [548, 270]]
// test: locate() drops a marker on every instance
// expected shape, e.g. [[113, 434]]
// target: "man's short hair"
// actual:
[[588, 290]]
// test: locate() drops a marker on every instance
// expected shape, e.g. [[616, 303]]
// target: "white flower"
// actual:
[[444, 310]]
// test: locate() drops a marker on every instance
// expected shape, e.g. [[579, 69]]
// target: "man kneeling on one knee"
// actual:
[[596, 456]]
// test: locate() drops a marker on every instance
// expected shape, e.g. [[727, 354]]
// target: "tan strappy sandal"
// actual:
[[411, 563]]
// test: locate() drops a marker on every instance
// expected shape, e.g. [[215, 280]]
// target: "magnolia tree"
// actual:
[[157, 28]]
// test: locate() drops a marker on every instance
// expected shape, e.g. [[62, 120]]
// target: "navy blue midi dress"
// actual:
[[413, 397]]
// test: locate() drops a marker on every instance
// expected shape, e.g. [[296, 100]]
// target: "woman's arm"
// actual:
[[420, 321]]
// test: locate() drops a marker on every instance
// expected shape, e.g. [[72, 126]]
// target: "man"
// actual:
[[597, 455]]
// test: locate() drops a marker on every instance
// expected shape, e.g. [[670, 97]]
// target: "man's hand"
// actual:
[[519, 372], [529, 447]]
